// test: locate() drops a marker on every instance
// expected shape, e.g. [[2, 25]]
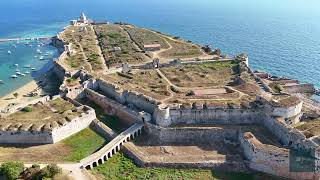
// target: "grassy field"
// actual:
[[111, 36], [143, 36], [83, 144], [111, 121], [121, 167], [180, 49], [204, 75]]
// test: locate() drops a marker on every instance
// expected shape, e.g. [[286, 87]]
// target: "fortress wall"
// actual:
[[140, 101], [299, 88], [26, 137], [287, 112], [112, 107], [269, 159], [110, 90], [191, 134], [73, 126], [213, 116], [287, 135]]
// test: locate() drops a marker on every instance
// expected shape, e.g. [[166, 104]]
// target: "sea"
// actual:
[[281, 37]]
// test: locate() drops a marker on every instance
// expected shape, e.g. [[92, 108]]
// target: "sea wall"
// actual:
[[270, 159], [299, 88]]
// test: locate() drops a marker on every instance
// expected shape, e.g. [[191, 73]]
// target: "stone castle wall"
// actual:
[[138, 100], [113, 108], [270, 159], [288, 135], [214, 116], [287, 112], [28, 134], [191, 134]]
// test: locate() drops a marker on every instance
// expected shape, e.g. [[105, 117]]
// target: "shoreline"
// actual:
[[22, 92]]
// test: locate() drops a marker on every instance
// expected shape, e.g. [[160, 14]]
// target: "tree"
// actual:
[[16, 94], [12, 169]]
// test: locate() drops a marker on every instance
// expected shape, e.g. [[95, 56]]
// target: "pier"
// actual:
[[23, 39]]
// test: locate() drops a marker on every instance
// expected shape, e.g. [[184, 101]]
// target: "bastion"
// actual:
[[44, 121]]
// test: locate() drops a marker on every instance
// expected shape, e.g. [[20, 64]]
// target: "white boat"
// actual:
[[14, 46], [27, 72], [22, 74], [41, 58], [33, 69], [16, 65], [9, 52], [17, 70], [38, 51], [27, 66], [18, 73], [13, 76], [1, 82]]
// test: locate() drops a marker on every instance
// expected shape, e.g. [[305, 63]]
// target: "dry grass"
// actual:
[[111, 36], [310, 127], [146, 81], [143, 36], [180, 49], [216, 74], [83, 41], [42, 113]]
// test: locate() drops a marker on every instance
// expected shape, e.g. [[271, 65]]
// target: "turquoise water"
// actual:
[[281, 37]]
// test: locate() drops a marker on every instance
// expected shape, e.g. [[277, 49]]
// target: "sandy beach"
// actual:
[[22, 91]]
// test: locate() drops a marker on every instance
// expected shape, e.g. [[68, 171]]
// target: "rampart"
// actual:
[[122, 112], [270, 159], [48, 132], [191, 134], [138, 100]]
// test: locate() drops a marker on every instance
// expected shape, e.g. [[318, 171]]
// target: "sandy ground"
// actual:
[[24, 90]]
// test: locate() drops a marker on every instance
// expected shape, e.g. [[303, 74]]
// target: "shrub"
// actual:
[[12, 169], [278, 88], [27, 109], [50, 171], [32, 173]]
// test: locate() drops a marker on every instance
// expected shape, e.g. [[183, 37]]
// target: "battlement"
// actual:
[[44, 121]]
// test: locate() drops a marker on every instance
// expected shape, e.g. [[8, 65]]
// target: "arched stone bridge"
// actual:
[[111, 148]]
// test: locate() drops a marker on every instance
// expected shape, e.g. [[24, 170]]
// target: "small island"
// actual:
[[164, 103]]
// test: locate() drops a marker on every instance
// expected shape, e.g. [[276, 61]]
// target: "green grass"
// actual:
[[83, 144], [121, 167], [111, 121]]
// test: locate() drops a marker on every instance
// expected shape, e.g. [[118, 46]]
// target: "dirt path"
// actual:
[[104, 62], [135, 44]]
